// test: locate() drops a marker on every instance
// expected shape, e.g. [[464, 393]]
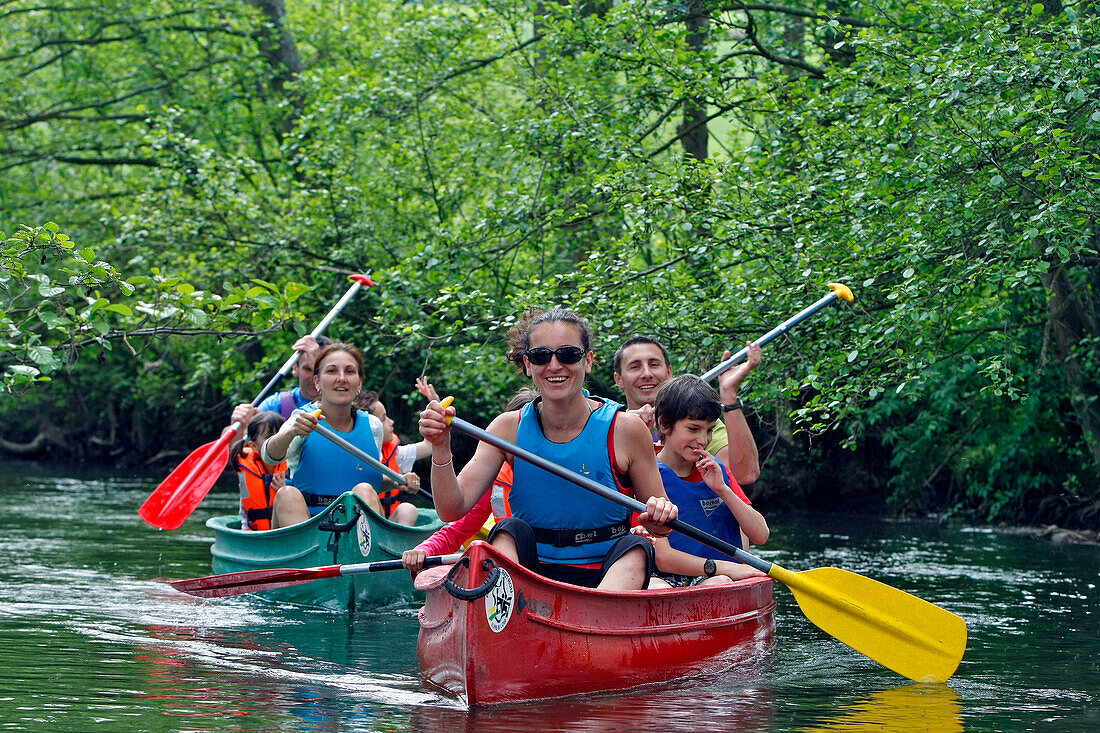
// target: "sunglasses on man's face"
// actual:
[[541, 355]]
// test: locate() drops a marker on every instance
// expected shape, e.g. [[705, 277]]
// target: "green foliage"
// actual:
[[478, 159], [54, 297]]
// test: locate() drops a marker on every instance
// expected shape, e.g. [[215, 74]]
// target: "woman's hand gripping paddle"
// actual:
[[183, 490], [911, 636]]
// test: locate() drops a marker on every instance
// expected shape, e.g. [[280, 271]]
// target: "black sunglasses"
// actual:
[[541, 355]]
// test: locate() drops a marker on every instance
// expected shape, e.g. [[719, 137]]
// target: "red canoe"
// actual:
[[531, 638]]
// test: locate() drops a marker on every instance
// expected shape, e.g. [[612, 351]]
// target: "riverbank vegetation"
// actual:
[[697, 171]]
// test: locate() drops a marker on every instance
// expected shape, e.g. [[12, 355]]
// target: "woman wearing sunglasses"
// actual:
[[558, 529]]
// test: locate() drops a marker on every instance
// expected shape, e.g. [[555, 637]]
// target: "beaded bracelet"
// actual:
[[441, 465]]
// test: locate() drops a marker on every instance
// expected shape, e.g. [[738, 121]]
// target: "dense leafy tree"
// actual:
[[697, 171]]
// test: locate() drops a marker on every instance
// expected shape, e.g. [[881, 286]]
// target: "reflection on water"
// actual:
[[92, 639], [906, 709]]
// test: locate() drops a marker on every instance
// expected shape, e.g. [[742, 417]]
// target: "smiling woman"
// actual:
[[319, 470], [557, 529]]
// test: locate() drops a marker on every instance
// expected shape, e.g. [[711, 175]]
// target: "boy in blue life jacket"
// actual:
[[686, 410]]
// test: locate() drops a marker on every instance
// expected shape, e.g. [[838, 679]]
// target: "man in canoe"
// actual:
[[288, 401], [558, 529], [641, 365]]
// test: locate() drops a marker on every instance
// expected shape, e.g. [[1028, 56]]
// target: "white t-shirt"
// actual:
[[406, 457]]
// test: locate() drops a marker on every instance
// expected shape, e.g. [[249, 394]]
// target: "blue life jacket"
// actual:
[[572, 525], [700, 507], [325, 470]]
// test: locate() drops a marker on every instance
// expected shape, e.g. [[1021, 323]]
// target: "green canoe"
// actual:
[[346, 532]]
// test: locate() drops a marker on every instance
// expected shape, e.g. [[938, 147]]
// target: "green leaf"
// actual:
[[121, 308]]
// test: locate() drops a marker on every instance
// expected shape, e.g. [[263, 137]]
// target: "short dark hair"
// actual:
[[617, 362], [262, 426], [686, 397]]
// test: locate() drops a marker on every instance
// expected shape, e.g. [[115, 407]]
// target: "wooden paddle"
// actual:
[[911, 636], [251, 581], [839, 291], [175, 499]]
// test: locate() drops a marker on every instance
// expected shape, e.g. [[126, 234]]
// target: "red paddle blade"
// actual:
[[250, 581], [177, 496]]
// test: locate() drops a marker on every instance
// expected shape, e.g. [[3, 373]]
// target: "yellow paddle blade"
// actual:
[[913, 637]]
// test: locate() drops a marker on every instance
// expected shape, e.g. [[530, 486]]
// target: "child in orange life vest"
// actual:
[[397, 457], [259, 481], [686, 410]]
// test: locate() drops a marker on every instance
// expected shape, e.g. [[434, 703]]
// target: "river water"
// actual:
[[92, 639]]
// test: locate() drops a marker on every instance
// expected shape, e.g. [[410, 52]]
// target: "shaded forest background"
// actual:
[[184, 187]]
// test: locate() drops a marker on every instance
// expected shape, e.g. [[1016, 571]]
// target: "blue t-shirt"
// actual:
[[274, 402], [700, 507]]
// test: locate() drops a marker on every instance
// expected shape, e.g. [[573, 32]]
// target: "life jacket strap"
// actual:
[[578, 537], [318, 499]]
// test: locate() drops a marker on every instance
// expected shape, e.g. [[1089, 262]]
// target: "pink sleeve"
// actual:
[[450, 538]]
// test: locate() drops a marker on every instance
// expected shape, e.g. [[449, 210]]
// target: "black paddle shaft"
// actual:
[[608, 493]]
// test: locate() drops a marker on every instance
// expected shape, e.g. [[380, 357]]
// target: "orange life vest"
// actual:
[[390, 498], [256, 493], [502, 486]]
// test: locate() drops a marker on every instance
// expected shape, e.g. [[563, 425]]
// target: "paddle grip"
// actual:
[[608, 493], [777, 331]]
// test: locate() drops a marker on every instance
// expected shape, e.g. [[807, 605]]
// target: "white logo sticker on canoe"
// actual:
[[499, 602], [362, 528]]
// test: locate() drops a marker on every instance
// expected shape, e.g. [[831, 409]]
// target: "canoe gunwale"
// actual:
[[273, 562], [653, 630]]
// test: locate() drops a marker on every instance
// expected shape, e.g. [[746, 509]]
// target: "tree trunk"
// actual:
[[281, 51], [1070, 322], [693, 129]]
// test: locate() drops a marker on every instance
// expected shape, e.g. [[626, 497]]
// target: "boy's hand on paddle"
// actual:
[[658, 511], [730, 381], [434, 425]]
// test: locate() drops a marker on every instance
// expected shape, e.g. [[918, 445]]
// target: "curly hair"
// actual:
[[519, 335]]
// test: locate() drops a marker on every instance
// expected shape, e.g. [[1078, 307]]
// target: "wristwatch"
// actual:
[[733, 406], [710, 568]]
